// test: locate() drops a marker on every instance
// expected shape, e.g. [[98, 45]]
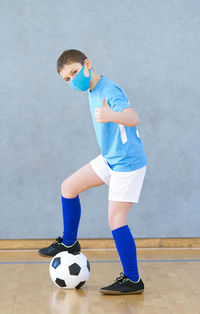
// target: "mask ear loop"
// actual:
[[83, 67], [84, 64]]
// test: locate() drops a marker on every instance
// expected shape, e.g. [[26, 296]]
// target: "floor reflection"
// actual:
[[68, 301]]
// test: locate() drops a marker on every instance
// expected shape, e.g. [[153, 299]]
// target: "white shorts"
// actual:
[[123, 186]]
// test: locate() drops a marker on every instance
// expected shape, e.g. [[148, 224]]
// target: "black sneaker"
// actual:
[[123, 285], [57, 246]]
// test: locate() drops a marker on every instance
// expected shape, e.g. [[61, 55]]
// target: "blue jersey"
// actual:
[[120, 145]]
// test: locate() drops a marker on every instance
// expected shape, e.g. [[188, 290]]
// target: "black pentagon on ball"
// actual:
[[88, 265], [74, 269], [75, 253], [80, 284], [56, 262], [60, 282]]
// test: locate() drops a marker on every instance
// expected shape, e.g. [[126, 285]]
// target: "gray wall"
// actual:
[[151, 49]]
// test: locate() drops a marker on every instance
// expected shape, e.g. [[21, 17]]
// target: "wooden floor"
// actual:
[[171, 278]]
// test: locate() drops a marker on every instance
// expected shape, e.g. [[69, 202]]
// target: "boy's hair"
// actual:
[[68, 57]]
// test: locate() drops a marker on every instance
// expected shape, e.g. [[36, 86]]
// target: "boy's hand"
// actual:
[[104, 113]]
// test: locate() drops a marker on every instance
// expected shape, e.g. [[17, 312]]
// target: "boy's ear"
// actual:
[[89, 64]]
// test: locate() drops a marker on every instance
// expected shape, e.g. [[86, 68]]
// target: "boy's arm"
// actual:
[[127, 117]]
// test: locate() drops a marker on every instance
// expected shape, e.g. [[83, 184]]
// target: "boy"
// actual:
[[121, 165]]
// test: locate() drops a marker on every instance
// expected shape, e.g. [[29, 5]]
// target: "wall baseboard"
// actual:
[[30, 244]]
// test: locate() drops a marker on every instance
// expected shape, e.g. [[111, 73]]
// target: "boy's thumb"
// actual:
[[105, 103]]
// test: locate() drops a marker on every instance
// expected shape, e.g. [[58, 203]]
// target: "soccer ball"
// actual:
[[69, 271]]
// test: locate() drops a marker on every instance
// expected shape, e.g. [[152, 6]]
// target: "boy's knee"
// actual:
[[113, 224], [67, 190], [116, 221]]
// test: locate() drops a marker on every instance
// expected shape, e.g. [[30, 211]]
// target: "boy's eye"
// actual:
[[67, 80]]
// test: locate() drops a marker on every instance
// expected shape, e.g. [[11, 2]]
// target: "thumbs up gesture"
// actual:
[[104, 113]]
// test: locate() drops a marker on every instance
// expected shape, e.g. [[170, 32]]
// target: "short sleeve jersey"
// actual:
[[120, 145]]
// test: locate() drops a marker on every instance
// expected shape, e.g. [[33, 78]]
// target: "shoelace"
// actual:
[[120, 279], [57, 241]]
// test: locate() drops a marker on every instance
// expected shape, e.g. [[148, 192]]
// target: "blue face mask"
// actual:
[[80, 81]]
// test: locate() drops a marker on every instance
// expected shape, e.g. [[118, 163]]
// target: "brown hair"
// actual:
[[70, 56]]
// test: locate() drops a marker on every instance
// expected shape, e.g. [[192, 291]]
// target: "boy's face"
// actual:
[[69, 71]]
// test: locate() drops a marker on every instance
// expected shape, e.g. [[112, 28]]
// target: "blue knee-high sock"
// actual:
[[126, 248], [71, 216]]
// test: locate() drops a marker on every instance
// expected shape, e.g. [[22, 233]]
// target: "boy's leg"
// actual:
[[125, 244], [118, 213], [81, 180], [129, 282]]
